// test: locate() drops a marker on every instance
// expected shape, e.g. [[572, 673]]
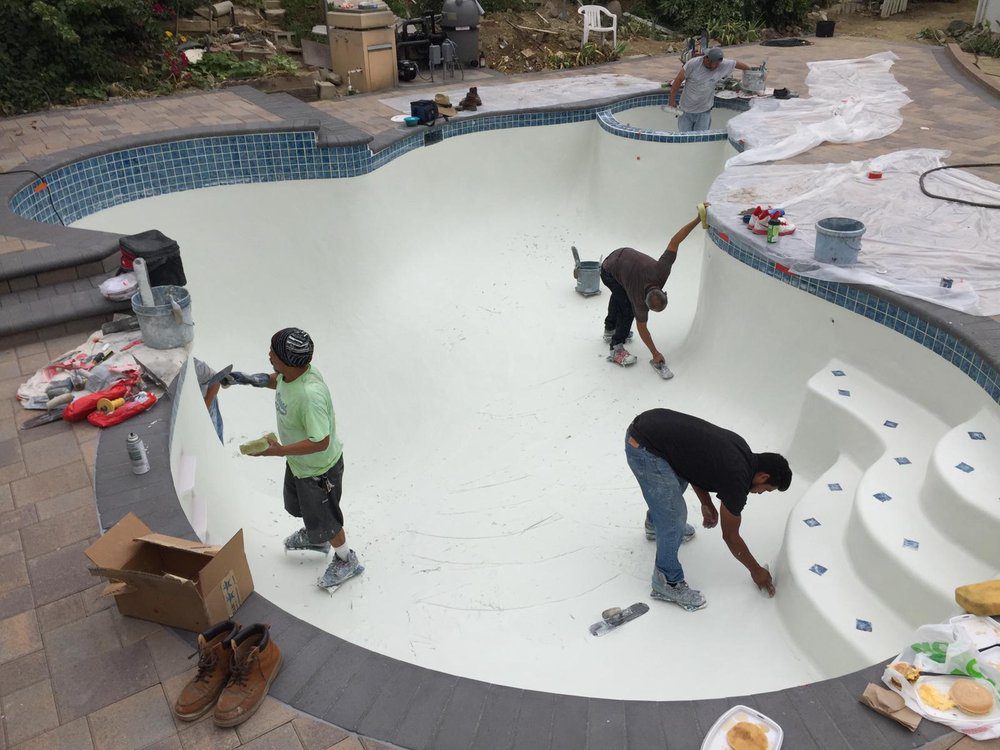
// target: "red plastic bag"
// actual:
[[139, 403], [79, 409]]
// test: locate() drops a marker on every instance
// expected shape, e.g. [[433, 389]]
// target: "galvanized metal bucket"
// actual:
[[587, 274]]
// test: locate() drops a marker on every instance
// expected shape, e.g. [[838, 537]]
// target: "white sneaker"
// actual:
[[620, 356], [662, 368], [609, 334]]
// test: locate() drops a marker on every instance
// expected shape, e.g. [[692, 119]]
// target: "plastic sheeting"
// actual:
[[911, 243], [850, 101]]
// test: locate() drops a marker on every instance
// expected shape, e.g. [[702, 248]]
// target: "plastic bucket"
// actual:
[[838, 240], [825, 28], [754, 81], [160, 328], [588, 277]]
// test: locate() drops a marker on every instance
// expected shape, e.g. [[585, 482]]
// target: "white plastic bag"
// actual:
[[119, 288], [946, 650]]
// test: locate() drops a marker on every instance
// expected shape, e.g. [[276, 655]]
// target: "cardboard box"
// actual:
[[168, 580]]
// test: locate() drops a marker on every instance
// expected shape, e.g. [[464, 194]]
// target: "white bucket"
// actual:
[[838, 240]]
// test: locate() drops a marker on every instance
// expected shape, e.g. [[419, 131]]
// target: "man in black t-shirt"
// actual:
[[668, 450]]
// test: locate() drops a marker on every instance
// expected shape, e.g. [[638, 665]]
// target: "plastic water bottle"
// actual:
[[137, 454]]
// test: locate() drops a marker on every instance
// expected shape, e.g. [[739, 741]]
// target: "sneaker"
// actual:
[[677, 593], [609, 334], [300, 541], [620, 356], [651, 531], [339, 571], [662, 368]]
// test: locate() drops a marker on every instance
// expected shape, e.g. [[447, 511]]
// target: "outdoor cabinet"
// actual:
[[371, 50]]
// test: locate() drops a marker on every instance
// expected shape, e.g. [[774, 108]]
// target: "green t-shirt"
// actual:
[[305, 411]]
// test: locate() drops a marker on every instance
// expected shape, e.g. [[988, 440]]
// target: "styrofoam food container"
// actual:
[[716, 737], [982, 631]]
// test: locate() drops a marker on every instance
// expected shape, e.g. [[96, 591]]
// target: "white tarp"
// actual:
[[849, 101], [911, 241]]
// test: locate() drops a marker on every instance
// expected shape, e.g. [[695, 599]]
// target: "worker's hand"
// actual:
[[709, 516], [762, 577], [273, 448], [658, 358]]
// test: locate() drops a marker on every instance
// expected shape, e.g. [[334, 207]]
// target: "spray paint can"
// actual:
[[137, 454], [773, 227]]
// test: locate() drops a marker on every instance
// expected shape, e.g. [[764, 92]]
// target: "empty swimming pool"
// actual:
[[486, 489]]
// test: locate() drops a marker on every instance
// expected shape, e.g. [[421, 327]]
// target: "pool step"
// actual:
[[961, 494], [885, 561], [56, 301]]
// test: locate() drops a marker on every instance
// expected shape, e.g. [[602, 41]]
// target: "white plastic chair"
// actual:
[[592, 22]]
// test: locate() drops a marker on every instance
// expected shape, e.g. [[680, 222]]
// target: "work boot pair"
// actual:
[[235, 670], [471, 101]]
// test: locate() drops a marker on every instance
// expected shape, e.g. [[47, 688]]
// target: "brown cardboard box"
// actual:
[[168, 580]]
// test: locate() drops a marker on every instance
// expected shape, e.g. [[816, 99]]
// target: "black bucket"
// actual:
[[825, 28], [162, 256]]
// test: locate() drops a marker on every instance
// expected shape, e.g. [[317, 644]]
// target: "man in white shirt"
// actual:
[[699, 76]]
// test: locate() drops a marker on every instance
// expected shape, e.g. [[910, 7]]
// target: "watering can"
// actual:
[[587, 274]]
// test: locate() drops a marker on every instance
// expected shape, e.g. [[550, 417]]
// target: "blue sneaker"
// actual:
[[299, 541], [339, 571], [651, 532]]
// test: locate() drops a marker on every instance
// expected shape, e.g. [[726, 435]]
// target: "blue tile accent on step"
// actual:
[[838, 373], [902, 460], [817, 569], [965, 467], [882, 497], [890, 424], [977, 436], [843, 392], [811, 522], [863, 625], [835, 487], [911, 544]]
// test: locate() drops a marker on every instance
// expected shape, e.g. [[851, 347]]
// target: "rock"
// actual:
[[527, 54], [573, 44], [958, 27], [334, 78], [615, 7], [940, 37], [326, 90], [274, 14]]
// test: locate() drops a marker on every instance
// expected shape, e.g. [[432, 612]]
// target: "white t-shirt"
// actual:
[[699, 84]]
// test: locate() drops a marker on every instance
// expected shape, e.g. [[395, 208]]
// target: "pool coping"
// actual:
[[415, 707]]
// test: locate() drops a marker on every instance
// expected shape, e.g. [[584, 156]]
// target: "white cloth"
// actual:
[[699, 84]]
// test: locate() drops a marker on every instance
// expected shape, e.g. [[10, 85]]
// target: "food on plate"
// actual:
[[934, 698], [745, 735], [910, 672], [971, 697]]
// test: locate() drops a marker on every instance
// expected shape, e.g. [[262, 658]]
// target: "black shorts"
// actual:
[[316, 500]]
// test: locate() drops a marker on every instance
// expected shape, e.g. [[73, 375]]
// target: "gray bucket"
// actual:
[[587, 274], [160, 328], [838, 240]]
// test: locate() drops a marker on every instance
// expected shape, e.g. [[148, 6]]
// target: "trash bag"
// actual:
[[139, 403]]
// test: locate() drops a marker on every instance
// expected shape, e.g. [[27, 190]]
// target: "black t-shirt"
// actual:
[[707, 456]]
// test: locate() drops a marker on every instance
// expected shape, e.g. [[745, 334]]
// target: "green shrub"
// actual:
[[215, 67], [983, 42], [693, 16], [59, 50]]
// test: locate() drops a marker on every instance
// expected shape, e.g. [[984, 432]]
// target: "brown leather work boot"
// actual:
[[214, 653], [255, 663], [474, 96]]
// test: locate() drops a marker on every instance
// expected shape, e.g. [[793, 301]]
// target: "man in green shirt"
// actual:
[[314, 462]]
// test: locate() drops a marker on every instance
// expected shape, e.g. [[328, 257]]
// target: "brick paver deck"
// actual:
[[73, 672]]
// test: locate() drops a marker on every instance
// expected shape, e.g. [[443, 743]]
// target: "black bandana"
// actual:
[[293, 347]]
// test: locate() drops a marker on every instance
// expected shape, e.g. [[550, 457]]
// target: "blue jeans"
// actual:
[[689, 121], [663, 491], [216, 415]]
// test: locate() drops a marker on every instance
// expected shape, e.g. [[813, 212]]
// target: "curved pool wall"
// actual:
[[721, 375]]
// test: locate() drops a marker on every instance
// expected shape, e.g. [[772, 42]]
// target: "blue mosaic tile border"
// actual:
[[612, 125], [100, 182], [857, 300]]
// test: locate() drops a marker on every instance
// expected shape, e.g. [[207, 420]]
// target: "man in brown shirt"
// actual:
[[636, 282]]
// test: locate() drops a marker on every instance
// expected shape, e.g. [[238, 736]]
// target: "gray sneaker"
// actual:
[[339, 571], [300, 541], [609, 334], [677, 593], [651, 531]]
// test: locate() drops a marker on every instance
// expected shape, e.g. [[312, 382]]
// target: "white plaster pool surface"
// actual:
[[664, 120], [486, 489]]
